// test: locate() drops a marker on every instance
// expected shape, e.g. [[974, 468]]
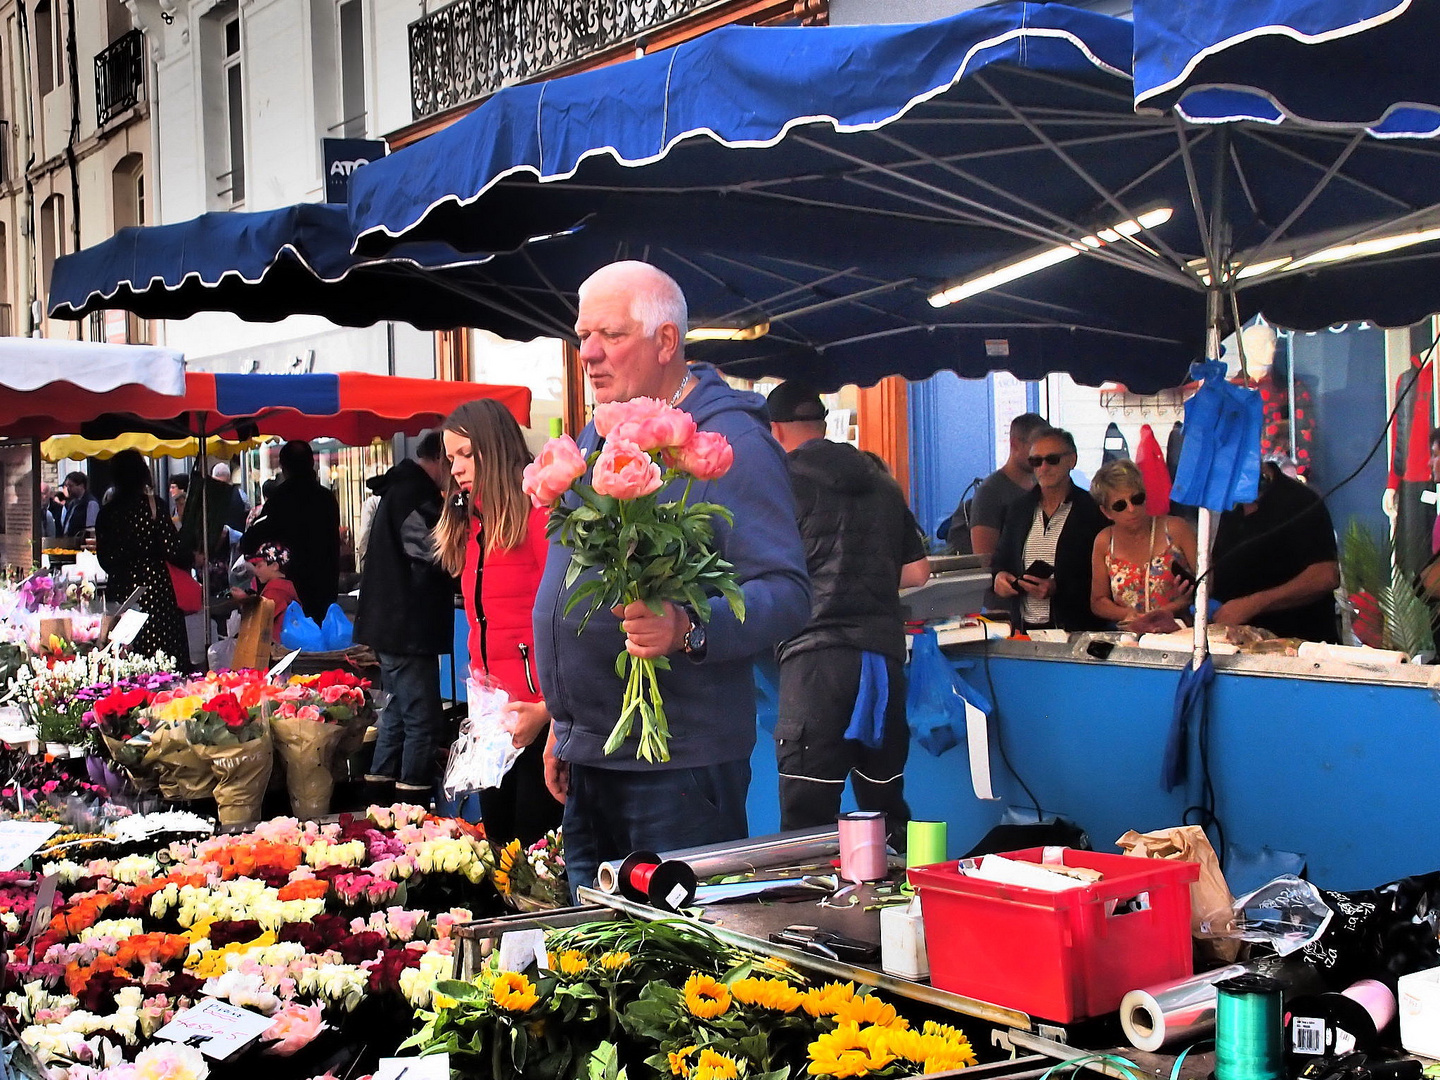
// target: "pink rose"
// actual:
[[550, 475], [295, 1027], [625, 471], [707, 456]]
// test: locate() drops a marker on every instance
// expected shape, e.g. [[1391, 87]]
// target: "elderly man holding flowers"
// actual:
[[727, 584]]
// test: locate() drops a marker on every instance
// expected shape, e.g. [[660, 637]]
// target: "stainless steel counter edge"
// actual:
[[981, 1010], [1287, 667]]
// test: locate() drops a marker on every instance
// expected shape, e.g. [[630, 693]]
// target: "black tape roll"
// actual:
[[1328, 1025], [672, 886]]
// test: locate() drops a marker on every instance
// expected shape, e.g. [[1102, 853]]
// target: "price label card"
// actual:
[[127, 626], [215, 1027], [21, 839], [429, 1067], [521, 948], [277, 673]]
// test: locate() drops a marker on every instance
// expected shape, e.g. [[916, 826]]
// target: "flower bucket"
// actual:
[[240, 773], [183, 774], [307, 748]]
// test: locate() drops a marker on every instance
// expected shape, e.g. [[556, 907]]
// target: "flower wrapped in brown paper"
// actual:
[[239, 774], [181, 773], [1212, 908], [307, 749], [135, 756]]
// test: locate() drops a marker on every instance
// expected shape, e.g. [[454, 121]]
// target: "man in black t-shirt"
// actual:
[[1275, 562]]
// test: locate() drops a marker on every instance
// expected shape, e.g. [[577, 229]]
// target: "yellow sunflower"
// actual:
[[680, 1060], [824, 1000], [514, 992], [713, 1065], [776, 994], [505, 865], [868, 1009], [572, 962], [614, 961], [704, 997], [849, 1051]]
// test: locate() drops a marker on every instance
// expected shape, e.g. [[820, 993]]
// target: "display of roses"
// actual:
[[266, 919], [632, 546]]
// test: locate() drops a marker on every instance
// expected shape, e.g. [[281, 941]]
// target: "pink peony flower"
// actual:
[[295, 1027], [707, 456], [550, 475], [170, 1061], [614, 413], [624, 471], [673, 427]]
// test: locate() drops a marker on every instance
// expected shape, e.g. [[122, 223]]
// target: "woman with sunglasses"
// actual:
[[1143, 567], [1043, 559]]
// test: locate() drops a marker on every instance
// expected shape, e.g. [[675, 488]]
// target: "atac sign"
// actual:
[[343, 157]]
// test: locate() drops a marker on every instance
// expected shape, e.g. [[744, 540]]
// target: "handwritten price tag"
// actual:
[[127, 626], [216, 1027], [429, 1067], [21, 839]]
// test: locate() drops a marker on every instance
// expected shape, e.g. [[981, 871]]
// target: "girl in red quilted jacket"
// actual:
[[494, 540]]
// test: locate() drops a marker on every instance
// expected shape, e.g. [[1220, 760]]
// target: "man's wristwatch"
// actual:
[[694, 642]]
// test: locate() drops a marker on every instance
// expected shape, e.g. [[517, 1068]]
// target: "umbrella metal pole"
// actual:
[[1202, 525], [205, 539]]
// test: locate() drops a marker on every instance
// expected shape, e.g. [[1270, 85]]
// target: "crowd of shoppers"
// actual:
[[822, 542]]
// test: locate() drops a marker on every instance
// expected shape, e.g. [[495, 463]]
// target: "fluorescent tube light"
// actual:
[[728, 333], [1051, 257]]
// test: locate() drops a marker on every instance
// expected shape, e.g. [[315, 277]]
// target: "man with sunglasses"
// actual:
[[1275, 562], [1043, 562], [1001, 490]]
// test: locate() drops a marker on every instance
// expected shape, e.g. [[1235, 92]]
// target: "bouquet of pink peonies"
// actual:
[[637, 547]]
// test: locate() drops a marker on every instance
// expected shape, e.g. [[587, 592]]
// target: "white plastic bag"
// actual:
[[485, 750]]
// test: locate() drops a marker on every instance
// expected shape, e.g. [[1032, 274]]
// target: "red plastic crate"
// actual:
[[1059, 955]]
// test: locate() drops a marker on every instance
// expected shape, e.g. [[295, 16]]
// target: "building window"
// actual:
[[235, 109], [49, 50], [127, 183], [352, 69], [117, 19], [52, 237]]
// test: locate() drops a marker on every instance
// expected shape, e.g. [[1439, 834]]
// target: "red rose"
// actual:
[[228, 709]]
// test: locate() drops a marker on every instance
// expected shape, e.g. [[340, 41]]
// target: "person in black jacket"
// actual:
[[303, 515], [1043, 564], [842, 681], [407, 615]]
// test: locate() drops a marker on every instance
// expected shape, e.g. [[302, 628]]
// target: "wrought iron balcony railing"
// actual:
[[473, 47], [119, 76]]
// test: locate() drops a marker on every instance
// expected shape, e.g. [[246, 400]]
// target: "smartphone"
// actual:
[[1178, 569], [1039, 570]]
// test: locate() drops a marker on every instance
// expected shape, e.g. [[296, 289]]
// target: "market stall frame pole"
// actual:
[[1217, 260]]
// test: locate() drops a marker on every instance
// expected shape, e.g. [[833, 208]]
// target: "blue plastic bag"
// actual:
[[300, 632], [1220, 458], [337, 631], [933, 704]]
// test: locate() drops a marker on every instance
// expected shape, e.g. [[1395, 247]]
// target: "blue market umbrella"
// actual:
[[269, 265], [1341, 63], [884, 164]]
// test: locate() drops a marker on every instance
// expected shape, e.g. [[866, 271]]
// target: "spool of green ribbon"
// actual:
[[924, 843], [1249, 1029]]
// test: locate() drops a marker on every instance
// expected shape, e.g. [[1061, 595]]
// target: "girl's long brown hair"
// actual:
[[500, 458]]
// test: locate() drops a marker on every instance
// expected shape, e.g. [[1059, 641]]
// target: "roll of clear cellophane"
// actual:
[[1183, 1010], [798, 848]]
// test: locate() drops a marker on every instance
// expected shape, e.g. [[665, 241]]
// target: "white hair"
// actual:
[[221, 471], [657, 298]]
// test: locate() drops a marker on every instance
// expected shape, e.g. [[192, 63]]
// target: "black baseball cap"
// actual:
[[794, 401]]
